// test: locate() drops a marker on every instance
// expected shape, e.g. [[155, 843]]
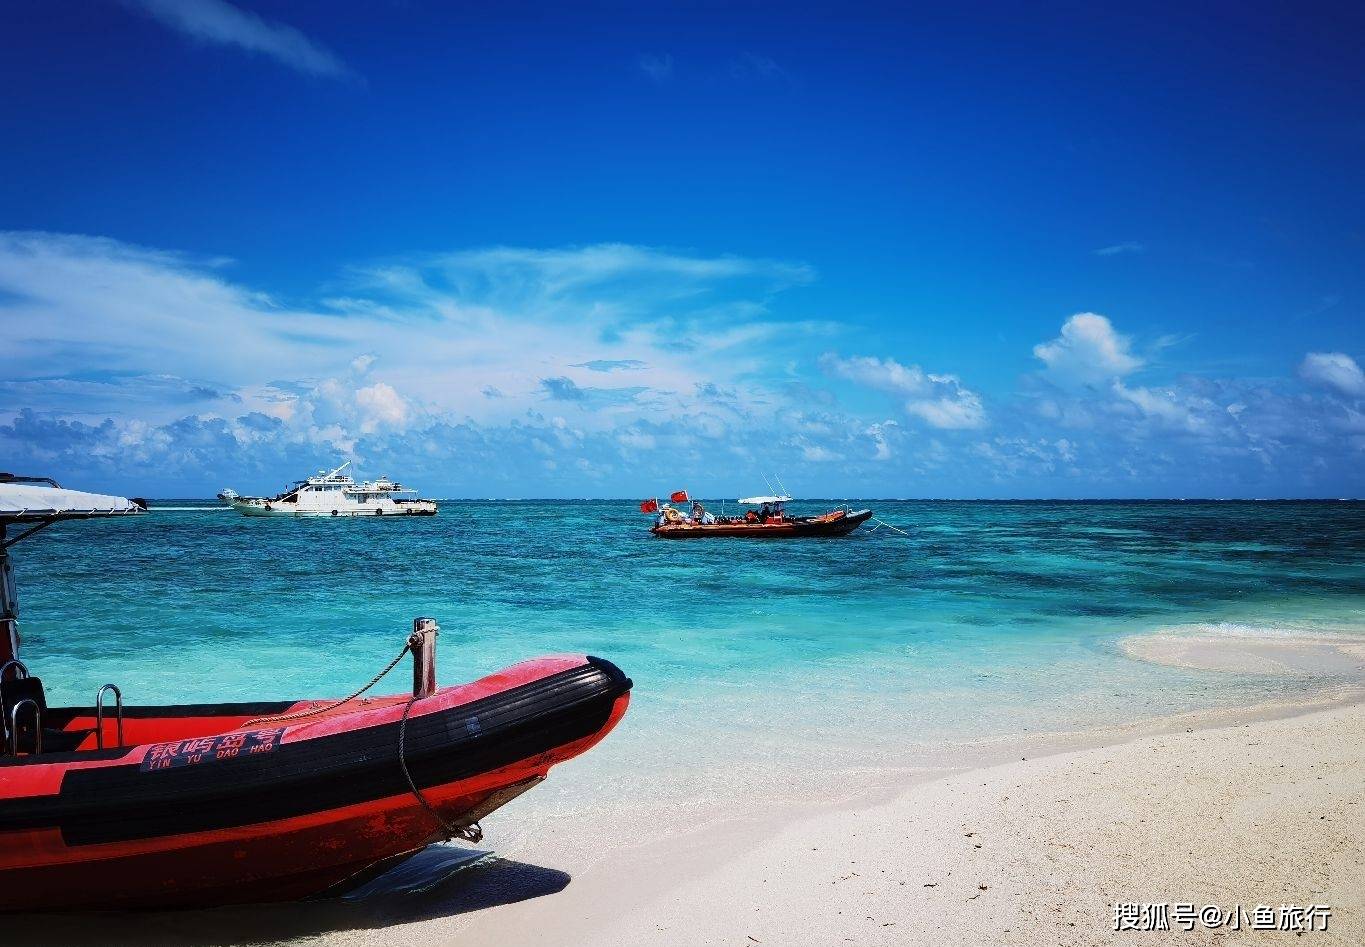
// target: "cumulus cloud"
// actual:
[[873, 372], [477, 373], [958, 410], [1334, 370], [1169, 406], [220, 22], [467, 345], [939, 400], [1088, 350], [381, 407]]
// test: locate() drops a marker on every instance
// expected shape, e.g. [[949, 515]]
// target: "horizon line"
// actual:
[[814, 499]]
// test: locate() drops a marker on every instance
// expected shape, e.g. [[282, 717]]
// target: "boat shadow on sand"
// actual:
[[429, 886]]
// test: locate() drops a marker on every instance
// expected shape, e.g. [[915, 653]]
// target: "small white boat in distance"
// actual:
[[335, 494]]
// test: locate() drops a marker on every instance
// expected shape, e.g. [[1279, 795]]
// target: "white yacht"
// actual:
[[335, 494]]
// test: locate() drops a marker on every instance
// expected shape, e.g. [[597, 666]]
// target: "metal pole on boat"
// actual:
[[9, 605], [422, 644]]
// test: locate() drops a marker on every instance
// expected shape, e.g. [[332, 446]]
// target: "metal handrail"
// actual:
[[21, 670], [20, 478], [99, 714], [37, 726]]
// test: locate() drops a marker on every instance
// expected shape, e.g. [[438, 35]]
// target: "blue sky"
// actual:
[[534, 250]]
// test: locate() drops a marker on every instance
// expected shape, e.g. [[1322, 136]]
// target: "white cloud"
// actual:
[[83, 304], [657, 67], [872, 372], [217, 21], [487, 321], [470, 337], [752, 66], [1128, 246], [1168, 406], [962, 409], [939, 400], [1335, 370], [557, 273], [632, 440], [146, 370], [817, 453], [879, 433], [381, 407], [1009, 457], [1088, 350]]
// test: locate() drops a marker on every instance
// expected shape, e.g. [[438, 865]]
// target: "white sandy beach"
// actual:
[[1035, 851], [1255, 806], [1244, 807]]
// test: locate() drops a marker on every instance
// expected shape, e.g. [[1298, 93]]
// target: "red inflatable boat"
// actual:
[[767, 519], [221, 803], [834, 523]]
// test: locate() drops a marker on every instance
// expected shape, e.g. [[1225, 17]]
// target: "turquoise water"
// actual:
[[987, 619]]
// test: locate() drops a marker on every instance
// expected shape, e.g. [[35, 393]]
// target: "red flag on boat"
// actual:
[[649, 506], [679, 496]]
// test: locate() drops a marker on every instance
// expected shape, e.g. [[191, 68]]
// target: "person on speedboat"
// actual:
[[669, 516], [700, 514]]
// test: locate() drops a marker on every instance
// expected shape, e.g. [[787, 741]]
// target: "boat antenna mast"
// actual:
[[780, 490]]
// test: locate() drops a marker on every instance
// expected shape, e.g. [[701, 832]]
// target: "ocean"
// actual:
[[762, 670]]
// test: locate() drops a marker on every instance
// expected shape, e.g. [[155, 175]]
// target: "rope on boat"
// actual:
[[881, 523], [472, 833], [335, 704]]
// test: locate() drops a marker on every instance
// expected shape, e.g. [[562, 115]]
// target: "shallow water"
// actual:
[[760, 667]]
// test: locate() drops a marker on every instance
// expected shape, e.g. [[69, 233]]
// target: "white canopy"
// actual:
[[30, 502], [758, 500]]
